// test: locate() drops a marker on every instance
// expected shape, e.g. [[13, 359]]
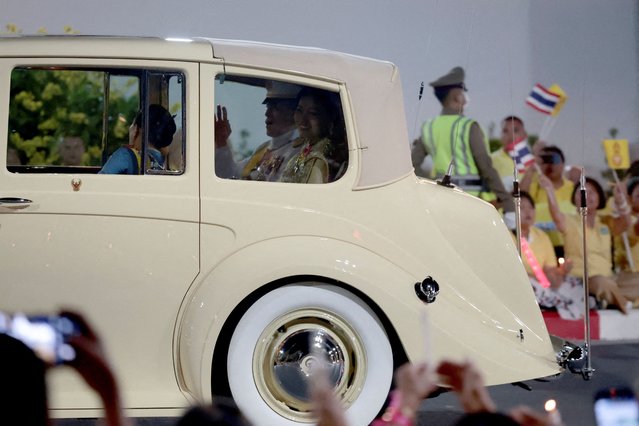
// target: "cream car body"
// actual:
[[167, 267]]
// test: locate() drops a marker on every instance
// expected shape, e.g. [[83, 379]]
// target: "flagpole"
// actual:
[[542, 132], [551, 124], [587, 371]]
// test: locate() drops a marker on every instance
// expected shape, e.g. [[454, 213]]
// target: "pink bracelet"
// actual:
[[393, 414]]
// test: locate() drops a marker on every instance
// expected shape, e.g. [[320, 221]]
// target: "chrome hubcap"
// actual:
[[299, 347]]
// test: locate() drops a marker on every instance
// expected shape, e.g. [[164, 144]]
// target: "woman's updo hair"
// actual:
[[161, 125]]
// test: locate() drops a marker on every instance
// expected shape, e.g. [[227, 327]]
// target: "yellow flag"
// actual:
[[562, 98], [617, 153]]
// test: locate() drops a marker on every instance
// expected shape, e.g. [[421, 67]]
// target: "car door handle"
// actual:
[[15, 202]]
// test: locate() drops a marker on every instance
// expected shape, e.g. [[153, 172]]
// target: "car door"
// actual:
[[122, 249]]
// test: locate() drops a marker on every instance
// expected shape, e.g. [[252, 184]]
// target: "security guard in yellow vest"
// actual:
[[452, 137]]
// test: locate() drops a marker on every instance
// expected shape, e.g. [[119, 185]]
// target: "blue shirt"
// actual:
[[124, 162]]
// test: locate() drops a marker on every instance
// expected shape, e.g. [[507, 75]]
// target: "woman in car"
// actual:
[[317, 117], [127, 160]]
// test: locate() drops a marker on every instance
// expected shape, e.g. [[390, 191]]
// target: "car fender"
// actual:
[[205, 309]]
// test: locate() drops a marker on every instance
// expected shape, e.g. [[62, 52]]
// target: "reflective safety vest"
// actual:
[[443, 133]]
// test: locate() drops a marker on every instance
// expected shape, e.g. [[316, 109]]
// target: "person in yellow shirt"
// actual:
[[621, 255], [604, 284], [512, 129], [564, 295], [551, 163]]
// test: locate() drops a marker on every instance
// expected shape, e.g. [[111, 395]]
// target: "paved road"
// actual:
[[615, 364]]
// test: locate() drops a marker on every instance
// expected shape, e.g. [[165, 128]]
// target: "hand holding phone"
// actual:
[[47, 336], [68, 338]]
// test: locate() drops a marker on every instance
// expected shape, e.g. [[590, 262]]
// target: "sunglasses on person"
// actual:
[[551, 158]]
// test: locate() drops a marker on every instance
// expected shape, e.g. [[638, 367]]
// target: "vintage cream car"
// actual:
[[204, 283]]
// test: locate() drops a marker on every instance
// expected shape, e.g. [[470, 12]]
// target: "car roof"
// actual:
[[374, 86]]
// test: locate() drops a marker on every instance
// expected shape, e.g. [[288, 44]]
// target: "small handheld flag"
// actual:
[[542, 99], [549, 102], [555, 89], [617, 153], [521, 154]]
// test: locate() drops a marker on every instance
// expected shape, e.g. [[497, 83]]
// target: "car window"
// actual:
[[277, 131], [83, 121]]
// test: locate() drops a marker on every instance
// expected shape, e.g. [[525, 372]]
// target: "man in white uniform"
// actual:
[[266, 163]]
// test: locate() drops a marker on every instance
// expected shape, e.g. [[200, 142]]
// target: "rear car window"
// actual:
[[68, 120]]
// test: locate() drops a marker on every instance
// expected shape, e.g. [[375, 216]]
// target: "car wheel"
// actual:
[[270, 359]]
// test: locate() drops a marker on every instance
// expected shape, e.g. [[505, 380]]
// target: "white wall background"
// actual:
[[589, 47]]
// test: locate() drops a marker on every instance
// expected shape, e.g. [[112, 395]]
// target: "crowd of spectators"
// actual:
[[611, 232]]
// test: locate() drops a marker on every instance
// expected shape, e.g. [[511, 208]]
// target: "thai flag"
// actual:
[[521, 154], [542, 100]]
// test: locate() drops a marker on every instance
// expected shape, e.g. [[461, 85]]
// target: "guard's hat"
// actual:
[[280, 90], [454, 78]]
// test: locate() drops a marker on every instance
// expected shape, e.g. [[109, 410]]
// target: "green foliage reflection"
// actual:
[[48, 106]]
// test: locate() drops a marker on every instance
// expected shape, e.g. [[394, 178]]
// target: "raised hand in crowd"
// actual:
[[623, 221], [527, 177], [414, 382], [23, 394], [557, 274], [545, 182], [326, 405], [466, 380], [619, 193]]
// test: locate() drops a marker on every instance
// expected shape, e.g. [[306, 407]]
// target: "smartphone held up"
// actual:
[[46, 335], [616, 407]]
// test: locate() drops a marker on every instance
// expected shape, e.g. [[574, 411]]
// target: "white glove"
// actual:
[[510, 220]]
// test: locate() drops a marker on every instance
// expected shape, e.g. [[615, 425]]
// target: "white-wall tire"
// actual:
[[280, 319]]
